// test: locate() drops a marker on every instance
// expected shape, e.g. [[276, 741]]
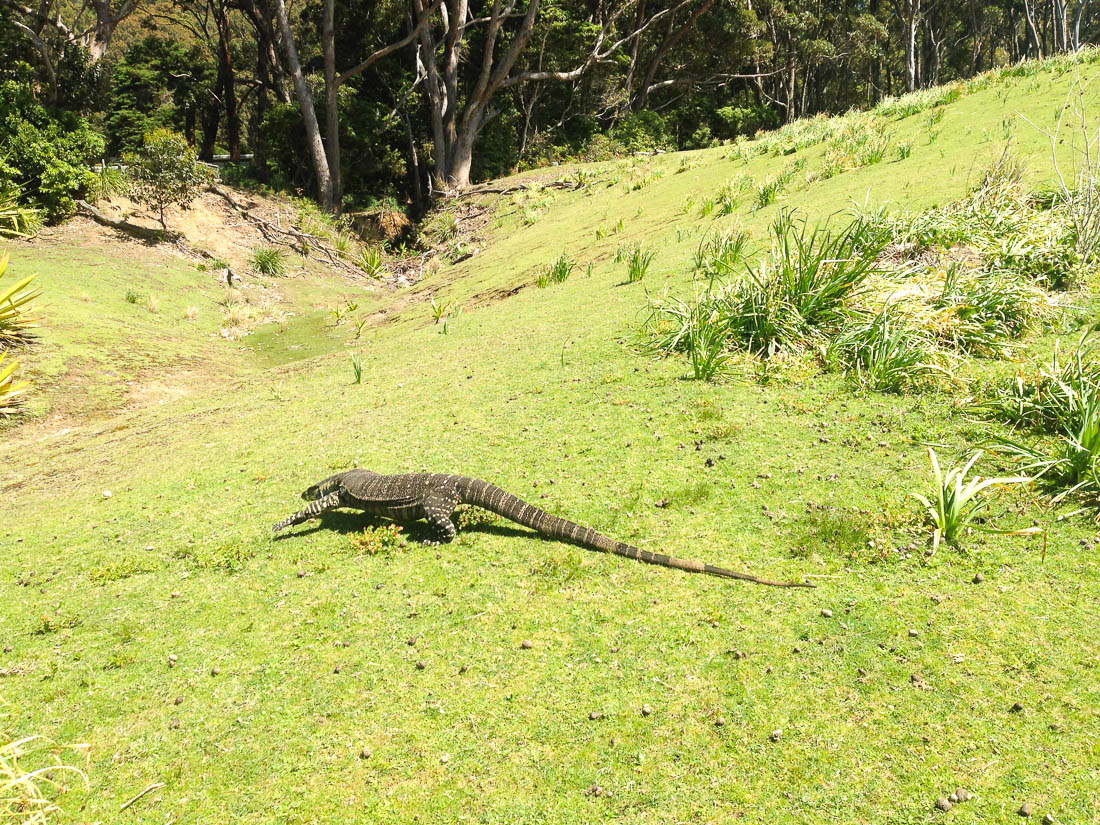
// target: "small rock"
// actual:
[[913, 633], [420, 665], [594, 715], [527, 644], [776, 735], [336, 669], [943, 803], [827, 613], [106, 493], [174, 724], [412, 641], [647, 710], [178, 700], [709, 462], [861, 672], [1016, 707], [720, 722], [796, 649], [953, 798], [364, 754], [1048, 819], [978, 578], [7, 648], [663, 503], [445, 758], [463, 669], [175, 594], [963, 794], [301, 573], [1025, 809], [214, 671], [595, 790]]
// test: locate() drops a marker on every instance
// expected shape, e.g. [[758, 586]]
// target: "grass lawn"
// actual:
[[146, 610]]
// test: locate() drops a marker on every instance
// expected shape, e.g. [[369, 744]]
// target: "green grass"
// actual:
[[300, 697]]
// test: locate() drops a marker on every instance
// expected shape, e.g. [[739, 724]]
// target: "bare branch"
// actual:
[[385, 51]]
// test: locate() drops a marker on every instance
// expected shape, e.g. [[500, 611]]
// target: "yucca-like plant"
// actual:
[[15, 325], [956, 504], [17, 220], [11, 391]]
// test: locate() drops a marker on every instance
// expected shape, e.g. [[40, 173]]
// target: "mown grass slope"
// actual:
[[311, 679]]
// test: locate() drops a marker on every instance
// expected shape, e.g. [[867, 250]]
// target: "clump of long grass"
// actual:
[[557, 272], [885, 352], [637, 262], [720, 255], [28, 794], [1060, 400], [268, 260], [861, 142]]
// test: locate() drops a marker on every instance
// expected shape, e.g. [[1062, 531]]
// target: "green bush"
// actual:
[[165, 171], [46, 152], [642, 132]]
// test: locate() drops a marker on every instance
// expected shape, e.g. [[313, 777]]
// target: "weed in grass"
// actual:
[[132, 297], [720, 255], [357, 367], [359, 324], [637, 262], [955, 505], [706, 207], [905, 149], [378, 541], [268, 260], [601, 232]]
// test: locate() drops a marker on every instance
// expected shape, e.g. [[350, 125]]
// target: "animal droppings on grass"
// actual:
[[412, 641], [527, 644], [336, 669], [214, 671], [301, 573], [776, 735], [827, 613], [463, 668], [962, 794], [1048, 819], [919, 682], [647, 710], [1025, 810], [978, 578], [175, 594], [913, 633], [421, 665], [594, 715], [594, 791], [943, 803], [720, 722], [364, 754], [1016, 707], [178, 700], [174, 724], [172, 659]]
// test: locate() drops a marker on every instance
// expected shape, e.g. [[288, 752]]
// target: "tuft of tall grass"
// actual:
[[268, 260], [357, 367], [721, 254], [883, 352], [637, 262], [557, 272]]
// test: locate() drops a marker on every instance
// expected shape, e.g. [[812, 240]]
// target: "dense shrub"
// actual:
[[46, 151]]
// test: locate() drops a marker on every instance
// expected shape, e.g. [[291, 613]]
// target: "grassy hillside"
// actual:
[[334, 676]]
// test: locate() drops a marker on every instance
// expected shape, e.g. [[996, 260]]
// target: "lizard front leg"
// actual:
[[315, 508], [438, 508]]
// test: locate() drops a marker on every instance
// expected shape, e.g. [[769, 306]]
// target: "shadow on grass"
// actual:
[[345, 523]]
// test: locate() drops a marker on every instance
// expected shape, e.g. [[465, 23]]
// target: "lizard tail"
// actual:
[[495, 500]]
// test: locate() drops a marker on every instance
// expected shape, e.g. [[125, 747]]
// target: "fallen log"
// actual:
[[145, 233]]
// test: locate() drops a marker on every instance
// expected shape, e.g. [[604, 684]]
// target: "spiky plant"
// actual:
[[17, 220], [956, 504], [637, 263], [11, 391], [15, 298]]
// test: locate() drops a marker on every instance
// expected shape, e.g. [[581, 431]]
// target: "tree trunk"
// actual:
[[309, 113], [332, 113], [228, 84]]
